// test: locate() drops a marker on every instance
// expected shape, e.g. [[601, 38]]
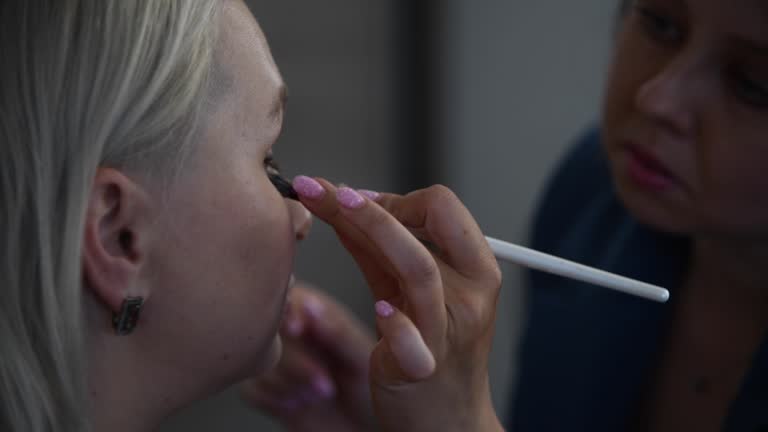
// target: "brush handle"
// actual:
[[562, 267]]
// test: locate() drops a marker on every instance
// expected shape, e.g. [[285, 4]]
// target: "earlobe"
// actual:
[[115, 238]]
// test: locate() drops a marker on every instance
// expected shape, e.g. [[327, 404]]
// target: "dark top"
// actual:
[[586, 352]]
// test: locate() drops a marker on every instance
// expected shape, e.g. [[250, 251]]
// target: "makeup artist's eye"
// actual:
[[658, 26], [752, 92]]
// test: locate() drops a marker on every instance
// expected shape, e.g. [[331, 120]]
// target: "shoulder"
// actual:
[[580, 218], [578, 196]]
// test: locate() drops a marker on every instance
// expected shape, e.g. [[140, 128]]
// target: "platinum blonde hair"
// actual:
[[84, 83]]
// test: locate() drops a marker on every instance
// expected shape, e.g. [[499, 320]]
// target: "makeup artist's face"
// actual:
[[686, 116], [225, 266]]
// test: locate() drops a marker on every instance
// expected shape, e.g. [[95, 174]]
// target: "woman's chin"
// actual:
[[272, 357], [650, 210], [662, 208]]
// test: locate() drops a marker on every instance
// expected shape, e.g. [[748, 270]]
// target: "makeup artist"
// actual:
[[670, 189]]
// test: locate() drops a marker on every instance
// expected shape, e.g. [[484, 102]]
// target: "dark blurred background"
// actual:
[[482, 96]]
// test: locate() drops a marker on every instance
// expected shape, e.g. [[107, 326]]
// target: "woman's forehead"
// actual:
[[244, 63], [245, 83]]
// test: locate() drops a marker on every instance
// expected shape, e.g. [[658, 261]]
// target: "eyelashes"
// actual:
[[282, 185], [271, 164]]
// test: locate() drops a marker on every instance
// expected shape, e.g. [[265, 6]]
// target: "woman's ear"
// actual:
[[116, 237]]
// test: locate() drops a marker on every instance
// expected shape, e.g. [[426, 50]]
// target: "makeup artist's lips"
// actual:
[[647, 171]]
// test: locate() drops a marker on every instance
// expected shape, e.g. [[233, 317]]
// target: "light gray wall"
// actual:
[[523, 77]]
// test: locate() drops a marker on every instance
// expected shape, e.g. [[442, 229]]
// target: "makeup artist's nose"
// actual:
[[302, 220], [668, 98]]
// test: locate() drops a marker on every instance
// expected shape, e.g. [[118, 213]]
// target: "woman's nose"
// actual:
[[302, 220], [667, 98]]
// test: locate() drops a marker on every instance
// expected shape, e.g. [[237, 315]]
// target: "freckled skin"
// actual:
[[230, 234]]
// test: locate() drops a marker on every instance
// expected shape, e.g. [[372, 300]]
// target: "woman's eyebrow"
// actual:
[[278, 105]]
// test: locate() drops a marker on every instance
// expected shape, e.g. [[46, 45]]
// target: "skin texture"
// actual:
[[212, 256]]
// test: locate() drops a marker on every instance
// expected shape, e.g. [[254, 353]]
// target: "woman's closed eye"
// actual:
[[282, 185]]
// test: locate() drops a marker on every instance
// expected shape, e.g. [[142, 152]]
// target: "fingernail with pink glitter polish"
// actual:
[[349, 198], [371, 195], [308, 187]]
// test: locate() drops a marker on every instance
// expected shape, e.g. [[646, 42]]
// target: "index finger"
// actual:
[[375, 230], [437, 212], [414, 266]]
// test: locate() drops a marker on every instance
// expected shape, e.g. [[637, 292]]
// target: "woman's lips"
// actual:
[[647, 171]]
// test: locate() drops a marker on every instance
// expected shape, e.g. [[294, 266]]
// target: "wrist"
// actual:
[[486, 419], [469, 413], [491, 422]]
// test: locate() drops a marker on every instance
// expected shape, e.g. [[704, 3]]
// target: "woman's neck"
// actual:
[[737, 269], [116, 405], [125, 394]]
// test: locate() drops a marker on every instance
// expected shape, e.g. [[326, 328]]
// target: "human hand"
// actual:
[[321, 382], [437, 282]]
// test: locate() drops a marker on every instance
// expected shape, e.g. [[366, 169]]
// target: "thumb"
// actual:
[[401, 354]]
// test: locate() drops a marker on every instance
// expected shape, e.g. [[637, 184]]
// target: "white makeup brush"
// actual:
[[559, 266]]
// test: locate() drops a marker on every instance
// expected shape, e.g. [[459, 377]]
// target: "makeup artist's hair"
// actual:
[[83, 84]]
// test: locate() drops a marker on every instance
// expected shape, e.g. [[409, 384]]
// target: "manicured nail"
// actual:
[[349, 198], [384, 309], [324, 387], [314, 308], [371, 195], [308, 187]]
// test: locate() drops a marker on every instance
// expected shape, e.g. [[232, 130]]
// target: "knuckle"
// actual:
[[440, 194], [377, 219], [467, 316], [476, 313], [422, 270], [496, 277]]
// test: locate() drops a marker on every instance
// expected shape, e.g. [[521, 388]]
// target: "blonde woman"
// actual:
[[147, 251]]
